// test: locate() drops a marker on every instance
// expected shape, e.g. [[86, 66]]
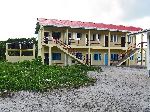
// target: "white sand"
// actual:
[[116, 90]]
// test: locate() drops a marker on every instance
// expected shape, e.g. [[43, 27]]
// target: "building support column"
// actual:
[[145, 57], [141, 49], [148, 52], [129, 62], [66, 41], [89, 48], [40, 41], [50, 38], [126, 41], [126, 45], [109, 48], [50, 55], [6, 54], [42, 54]]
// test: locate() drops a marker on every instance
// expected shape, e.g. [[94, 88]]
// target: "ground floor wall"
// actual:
[[97, 56]]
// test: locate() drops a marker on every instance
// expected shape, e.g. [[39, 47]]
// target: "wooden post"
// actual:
[[109, 48]]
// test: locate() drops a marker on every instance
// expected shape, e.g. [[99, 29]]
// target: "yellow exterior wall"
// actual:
[[80, 45], [20, 57], [98, 62]]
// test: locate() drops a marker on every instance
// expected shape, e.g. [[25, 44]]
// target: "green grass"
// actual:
[[33, 76]]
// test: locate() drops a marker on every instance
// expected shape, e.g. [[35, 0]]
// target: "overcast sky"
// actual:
[[18, 17]]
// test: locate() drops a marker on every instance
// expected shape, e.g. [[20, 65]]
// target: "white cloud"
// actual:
[[141, 22], [18, 18]]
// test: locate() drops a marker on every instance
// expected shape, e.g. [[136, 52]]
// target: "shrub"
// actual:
[[34, 76]]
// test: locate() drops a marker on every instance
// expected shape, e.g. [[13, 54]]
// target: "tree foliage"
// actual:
[[2, 50], [25, 42]]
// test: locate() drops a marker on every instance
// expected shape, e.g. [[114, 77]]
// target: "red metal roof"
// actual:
[[86, 25]]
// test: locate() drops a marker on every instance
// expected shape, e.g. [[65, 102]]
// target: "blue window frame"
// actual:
[[132, 58], [114, 57], [56, 56], [79, 56], [97, 56]]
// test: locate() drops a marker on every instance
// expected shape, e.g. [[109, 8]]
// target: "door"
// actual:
[[87, 41], [106, 59], [106, 41], [46, 59], [122, 41], [124, 63], [56, 35]]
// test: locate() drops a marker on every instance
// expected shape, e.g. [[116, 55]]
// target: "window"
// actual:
[[130, 39], [69, 35], [46, 36], [56, 35], [69, 38], [13, 53], [97, 56], [94, 37], [114, 57], [111, 38], [114, 38], [56, 56], [79, 56], [98, 37], [132, 58], [79, 35], [27, 53]]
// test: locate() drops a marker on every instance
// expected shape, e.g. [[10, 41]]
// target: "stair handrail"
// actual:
[[129, 49], [73, 51]]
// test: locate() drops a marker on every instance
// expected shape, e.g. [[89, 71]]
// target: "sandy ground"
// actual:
[[116, 90]]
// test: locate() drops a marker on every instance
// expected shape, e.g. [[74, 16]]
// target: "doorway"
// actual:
[[46, 59], [106, 40], [87, 40], [122, 41], [106, 59], [56, 35]]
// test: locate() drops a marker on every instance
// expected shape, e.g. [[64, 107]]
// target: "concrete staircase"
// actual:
[[127, 55], [70, 51]]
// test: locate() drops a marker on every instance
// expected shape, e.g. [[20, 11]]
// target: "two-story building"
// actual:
[[65, 42]]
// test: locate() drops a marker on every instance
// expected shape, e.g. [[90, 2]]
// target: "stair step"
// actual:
[[71, 55], [127, 56]]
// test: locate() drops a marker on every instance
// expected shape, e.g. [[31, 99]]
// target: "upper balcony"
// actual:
[[81, 39]]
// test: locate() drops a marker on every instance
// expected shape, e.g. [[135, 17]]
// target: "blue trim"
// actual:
[[56, 56], [79, 56], [97, 56], [132, 57], [114, 57], [106, 59]]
